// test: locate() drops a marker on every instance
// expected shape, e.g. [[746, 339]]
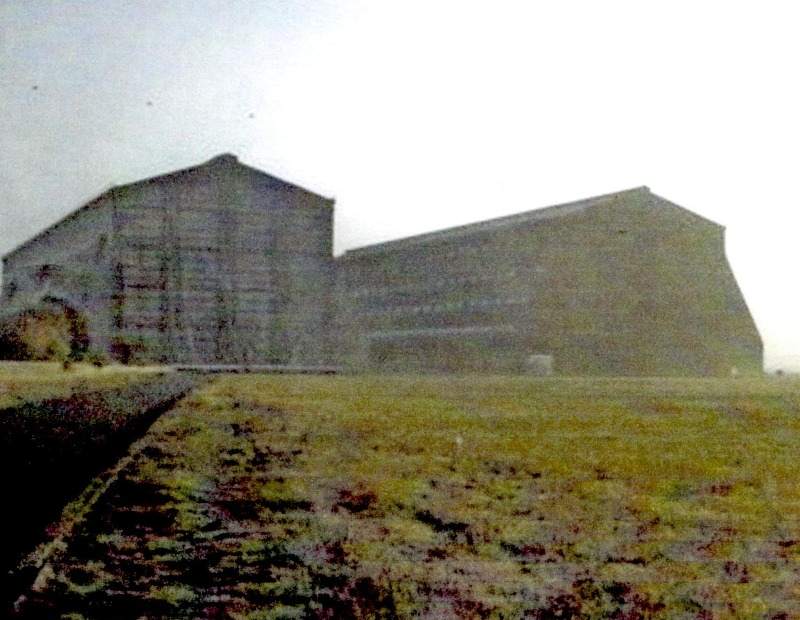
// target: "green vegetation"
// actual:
[[469, 497], [29, 381], [37, 335], [48, 330]]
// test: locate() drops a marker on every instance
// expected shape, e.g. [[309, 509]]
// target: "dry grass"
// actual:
[[456, 497], [26, 381]]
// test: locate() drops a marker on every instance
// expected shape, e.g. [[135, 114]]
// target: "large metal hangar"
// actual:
[[222, 263]]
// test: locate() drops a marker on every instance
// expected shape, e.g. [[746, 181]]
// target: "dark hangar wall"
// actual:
[[624, 284], [219, 263], [223, 264]]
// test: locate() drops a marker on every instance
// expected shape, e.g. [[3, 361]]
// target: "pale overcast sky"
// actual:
[[417, 115]]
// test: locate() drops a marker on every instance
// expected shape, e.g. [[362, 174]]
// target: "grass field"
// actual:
[[26, 381], [267, 497]]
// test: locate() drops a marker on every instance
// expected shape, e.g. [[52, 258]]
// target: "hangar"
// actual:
[[622, 284], [222, 263], [218, 263]]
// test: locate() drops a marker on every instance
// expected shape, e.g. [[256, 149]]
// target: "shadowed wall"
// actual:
[[624, 284]]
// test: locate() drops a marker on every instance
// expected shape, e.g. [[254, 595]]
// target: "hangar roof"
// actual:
[[223, 160], [509, 221]]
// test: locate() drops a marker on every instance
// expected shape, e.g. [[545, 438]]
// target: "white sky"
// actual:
[[418, 115]]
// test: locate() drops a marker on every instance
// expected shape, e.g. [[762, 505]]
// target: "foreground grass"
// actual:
[[442, 497], [27, 381], [51, 449]]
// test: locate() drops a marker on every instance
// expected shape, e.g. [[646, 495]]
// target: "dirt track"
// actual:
[[178, 537], [51, 449]]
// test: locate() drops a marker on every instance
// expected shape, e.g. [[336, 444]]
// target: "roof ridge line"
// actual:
[[496, 222], [222, 158]]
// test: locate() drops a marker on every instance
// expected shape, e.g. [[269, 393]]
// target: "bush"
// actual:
[[45, 334], [11, 348]]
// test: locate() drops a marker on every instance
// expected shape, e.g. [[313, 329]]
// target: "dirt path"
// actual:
[[196, 525], [54, 447]]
